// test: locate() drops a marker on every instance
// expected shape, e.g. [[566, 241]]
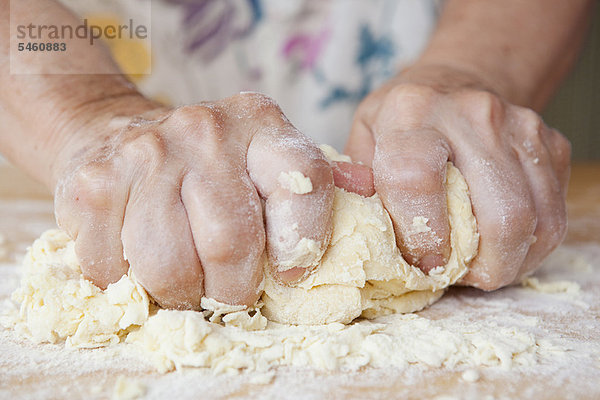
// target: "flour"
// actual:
[[559, 338], [57, 303]]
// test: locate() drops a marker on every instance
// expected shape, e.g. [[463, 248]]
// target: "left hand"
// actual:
[[516, 167]]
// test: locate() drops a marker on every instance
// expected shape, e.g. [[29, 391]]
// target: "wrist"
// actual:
[[81, 132], [448, 78]]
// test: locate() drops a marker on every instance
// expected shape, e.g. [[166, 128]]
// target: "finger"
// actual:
[[227, 226], [410, 172], [100, 251], [89, 206], [222, 204], [505, 212], [294, 177], [548, 191], [356, 178], [559, 150], [159, 247]]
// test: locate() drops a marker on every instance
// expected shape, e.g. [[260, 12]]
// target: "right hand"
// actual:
[[516, 167], [176, 194]]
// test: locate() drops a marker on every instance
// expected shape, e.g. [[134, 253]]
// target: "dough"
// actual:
[[363, 273], [55, 304]]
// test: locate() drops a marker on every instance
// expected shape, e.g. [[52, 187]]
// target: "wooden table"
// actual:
[[50, 371]]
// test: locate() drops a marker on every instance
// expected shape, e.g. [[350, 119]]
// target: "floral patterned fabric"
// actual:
[[317, 58]]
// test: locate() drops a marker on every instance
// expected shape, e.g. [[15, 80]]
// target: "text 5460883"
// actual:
[[33, 46]]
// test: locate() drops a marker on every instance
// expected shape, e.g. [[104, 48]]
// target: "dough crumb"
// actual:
[[555, 287], [128, 389], [306, 253], [295, 182], [332, 154], [214, 309], [263, 379], [419, 225], [470, 375]]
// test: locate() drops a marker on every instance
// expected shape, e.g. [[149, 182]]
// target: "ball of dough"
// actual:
[[362, 273]]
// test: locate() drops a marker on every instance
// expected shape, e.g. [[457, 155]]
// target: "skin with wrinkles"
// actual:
[[471, 98], [516, 168], [178, 192]]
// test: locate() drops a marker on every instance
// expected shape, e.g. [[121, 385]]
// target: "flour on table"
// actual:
[[241, 339]]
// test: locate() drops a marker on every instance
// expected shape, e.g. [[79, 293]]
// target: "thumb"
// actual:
[[410, 172], [353, 177]]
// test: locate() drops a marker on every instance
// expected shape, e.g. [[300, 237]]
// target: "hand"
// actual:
[[176, 194], [516, 168]]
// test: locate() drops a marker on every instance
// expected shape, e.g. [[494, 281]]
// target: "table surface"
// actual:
[[51, 371]]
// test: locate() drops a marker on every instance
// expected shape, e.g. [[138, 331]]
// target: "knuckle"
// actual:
[[199, 121], [507, 228], [560, 232], [485, 109], [530, 122], [256, 99], [562, 142], [414, 175], [555, 229], [561, 149], [406, 103], [258, 105], [92, 186], [193, 114], [148, 148], [410, 91], [304, 157]]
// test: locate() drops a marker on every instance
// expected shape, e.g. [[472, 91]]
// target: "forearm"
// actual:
[[40, 113], [519, 49]]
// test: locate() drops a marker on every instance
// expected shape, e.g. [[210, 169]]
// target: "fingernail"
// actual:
[[430, 261]]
